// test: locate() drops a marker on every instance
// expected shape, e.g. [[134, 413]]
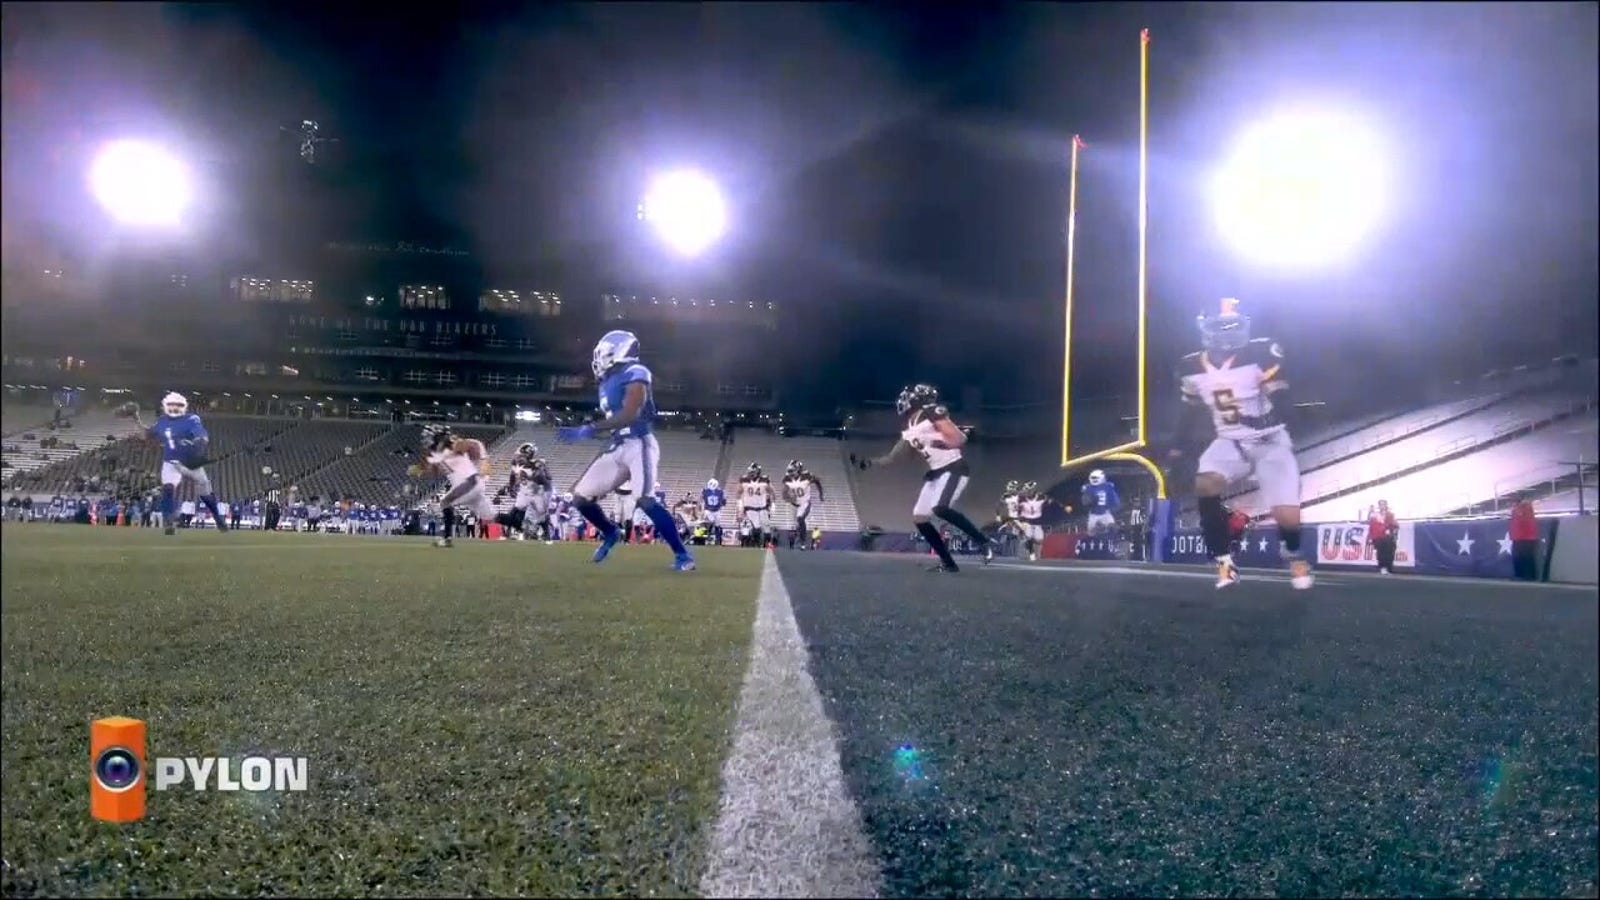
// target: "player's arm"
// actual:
[[951, 437], [1192, 417], [1275, 385], [632, 402], [894, 453], [817, 483]]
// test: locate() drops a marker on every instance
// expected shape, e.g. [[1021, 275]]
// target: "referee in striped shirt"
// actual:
[[274, 509]]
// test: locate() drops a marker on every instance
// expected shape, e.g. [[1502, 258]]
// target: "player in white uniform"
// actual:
[[1030, 513], [927, 429], [530, 479], [460, 460], [1008, 527], [755, 503], [801, 488], [1239, 385]]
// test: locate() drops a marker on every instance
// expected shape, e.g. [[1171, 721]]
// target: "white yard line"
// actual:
[[787, 826]]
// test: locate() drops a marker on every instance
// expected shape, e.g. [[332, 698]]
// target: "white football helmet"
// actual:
[[175, 404], [1097, 477], [713, 484], [616, 348]]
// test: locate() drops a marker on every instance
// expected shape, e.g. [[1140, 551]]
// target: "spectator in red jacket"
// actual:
[[1524, 542], [1383, 531]]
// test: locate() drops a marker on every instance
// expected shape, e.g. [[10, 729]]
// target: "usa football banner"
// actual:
[[1346, 544]]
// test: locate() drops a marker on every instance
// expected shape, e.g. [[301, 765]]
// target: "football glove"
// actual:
[[415, 471], [574, 435]]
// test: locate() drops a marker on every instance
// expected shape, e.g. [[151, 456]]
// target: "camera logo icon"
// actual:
[[117, 769]]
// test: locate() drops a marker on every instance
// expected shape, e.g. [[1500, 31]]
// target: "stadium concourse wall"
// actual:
[[1474, 548]]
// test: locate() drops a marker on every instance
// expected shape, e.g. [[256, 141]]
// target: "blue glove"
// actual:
[[573, 435]]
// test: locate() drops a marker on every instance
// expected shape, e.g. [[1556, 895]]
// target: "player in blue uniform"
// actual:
[[633, 453], [1101, 502], [713, 498], [184, 453]]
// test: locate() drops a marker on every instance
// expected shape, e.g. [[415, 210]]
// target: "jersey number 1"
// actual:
[[168, 433]]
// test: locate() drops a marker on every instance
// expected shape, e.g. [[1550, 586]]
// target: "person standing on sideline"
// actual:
[[1383, 531], [1524, 542]]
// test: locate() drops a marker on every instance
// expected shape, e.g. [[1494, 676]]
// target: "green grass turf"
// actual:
[[497, 718]]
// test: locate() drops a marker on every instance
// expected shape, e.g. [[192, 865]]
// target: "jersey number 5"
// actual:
[[1223, 400], [919, 446]]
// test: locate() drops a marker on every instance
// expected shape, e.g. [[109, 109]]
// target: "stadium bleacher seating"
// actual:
[[1466, 480]]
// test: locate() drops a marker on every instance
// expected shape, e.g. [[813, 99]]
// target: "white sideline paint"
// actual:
[[787, 826]]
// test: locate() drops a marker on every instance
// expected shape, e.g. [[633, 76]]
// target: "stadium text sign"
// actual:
[[118, 781]]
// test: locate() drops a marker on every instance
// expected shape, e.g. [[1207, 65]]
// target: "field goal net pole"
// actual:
[[1122, 452]]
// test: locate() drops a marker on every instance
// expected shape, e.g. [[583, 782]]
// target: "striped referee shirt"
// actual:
[[274, 496]]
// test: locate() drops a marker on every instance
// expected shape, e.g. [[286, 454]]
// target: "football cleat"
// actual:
[[1300, 575], [169, 530], [606, 543], [988, 553], [684, 563], [1227, 573], [444, 542], [941, 567]]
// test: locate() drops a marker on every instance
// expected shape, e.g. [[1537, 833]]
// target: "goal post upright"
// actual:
[[1141, 438]]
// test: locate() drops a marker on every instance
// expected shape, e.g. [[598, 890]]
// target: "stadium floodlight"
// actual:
[[140, 184], [1301, 190], [686, 210]]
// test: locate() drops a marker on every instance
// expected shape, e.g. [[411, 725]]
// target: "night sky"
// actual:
[[897, 172]]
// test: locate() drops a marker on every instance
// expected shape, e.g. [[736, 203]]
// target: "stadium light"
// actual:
[[686, 210], [140, 184], [1301, 191]]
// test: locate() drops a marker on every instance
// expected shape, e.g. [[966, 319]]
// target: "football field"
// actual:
[[507, 718]]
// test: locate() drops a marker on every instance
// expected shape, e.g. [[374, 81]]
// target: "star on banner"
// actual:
[[1262, 545], [1464, 546], [1505, 544]]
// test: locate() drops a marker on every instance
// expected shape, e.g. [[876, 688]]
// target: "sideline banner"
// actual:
[[1346, 544]]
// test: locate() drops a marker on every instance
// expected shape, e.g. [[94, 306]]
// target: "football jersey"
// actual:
[[713, 499], [1031, 508], [1101, 498], [799, 491], [755, 493], [178, 436], [614, 387], [458, 467], [921, 432], [1234, 387], [1010, 503]]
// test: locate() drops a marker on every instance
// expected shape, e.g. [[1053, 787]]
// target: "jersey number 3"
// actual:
[[1223, 400]]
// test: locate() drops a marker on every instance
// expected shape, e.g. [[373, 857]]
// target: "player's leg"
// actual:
[[605, 474], [1278, 475], [202, 487], [802, 525], [922, 515], [457, 495], [171, 477], [643, 458], [945, 509], [1222, 463]]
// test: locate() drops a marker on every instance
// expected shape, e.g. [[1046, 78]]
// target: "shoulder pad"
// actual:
[[636, 372], [1265, 350]]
